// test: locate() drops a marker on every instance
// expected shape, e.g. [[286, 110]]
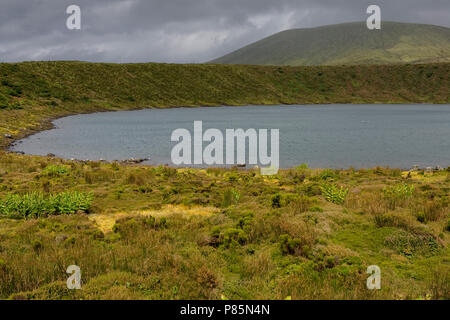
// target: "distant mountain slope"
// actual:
[[349, 43]]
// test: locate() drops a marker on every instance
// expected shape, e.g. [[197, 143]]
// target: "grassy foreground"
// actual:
[[142, 232], [165, 233], [32, 93]]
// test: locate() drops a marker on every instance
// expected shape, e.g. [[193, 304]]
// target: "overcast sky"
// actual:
[[178, 30]]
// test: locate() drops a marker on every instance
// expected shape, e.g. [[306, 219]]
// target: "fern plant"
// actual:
[[333, 193], [35, 204], [397, 195]]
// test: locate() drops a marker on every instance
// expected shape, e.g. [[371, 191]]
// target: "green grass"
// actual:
[[165, 233], [348, 44]]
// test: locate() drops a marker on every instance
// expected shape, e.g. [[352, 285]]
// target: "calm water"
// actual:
[[335, 136]]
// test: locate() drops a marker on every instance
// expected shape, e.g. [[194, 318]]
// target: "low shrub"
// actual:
[[334, 194], [412, 244], [35, 204], [315, 209], [328, 174], [245, 222], [297, 203], [293, 246], [276, 200], [310, 189], [447, 226], [428, 210], [54, 171], [421, 217], [397, 195], [233, 237]]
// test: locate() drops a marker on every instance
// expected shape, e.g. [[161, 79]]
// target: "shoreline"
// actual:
[[47, 124], [37, 93]]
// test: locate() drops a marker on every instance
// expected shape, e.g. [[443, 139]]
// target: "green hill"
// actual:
[[348, 44]]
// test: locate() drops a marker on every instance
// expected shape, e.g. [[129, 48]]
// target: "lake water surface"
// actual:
[[325, 136]]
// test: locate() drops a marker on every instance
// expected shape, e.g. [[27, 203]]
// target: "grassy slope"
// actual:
[[32, 92], [350, 43], [216, 243]]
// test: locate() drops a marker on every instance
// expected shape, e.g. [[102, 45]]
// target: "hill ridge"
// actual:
[[347, 44]]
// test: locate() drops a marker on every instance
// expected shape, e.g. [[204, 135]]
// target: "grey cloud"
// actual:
[[177, 30]]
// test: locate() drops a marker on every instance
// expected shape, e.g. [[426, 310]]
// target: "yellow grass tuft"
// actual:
[[105, 222]]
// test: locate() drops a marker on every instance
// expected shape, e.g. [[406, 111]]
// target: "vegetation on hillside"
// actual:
[[348, 44], [166, 233], [32, 93], [141, 232]]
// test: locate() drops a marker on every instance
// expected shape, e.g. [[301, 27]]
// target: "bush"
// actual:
[[315, 209], [293, 246], [301, 173], [33, 205], [54, 171], [410, 244], [37, 246], [245, 222], [312, 189], [334, 194], [125, 226], [276, 201], [328, 174], [162, 224], [233, 237], [71, 202], [149, 221], [447, 226], [397, 195], [421, 217], [429, 210]]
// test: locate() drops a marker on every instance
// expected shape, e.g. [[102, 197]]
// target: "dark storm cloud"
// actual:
[[178, 30]]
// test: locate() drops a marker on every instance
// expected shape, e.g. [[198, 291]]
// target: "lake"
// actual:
[[322, 136]]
